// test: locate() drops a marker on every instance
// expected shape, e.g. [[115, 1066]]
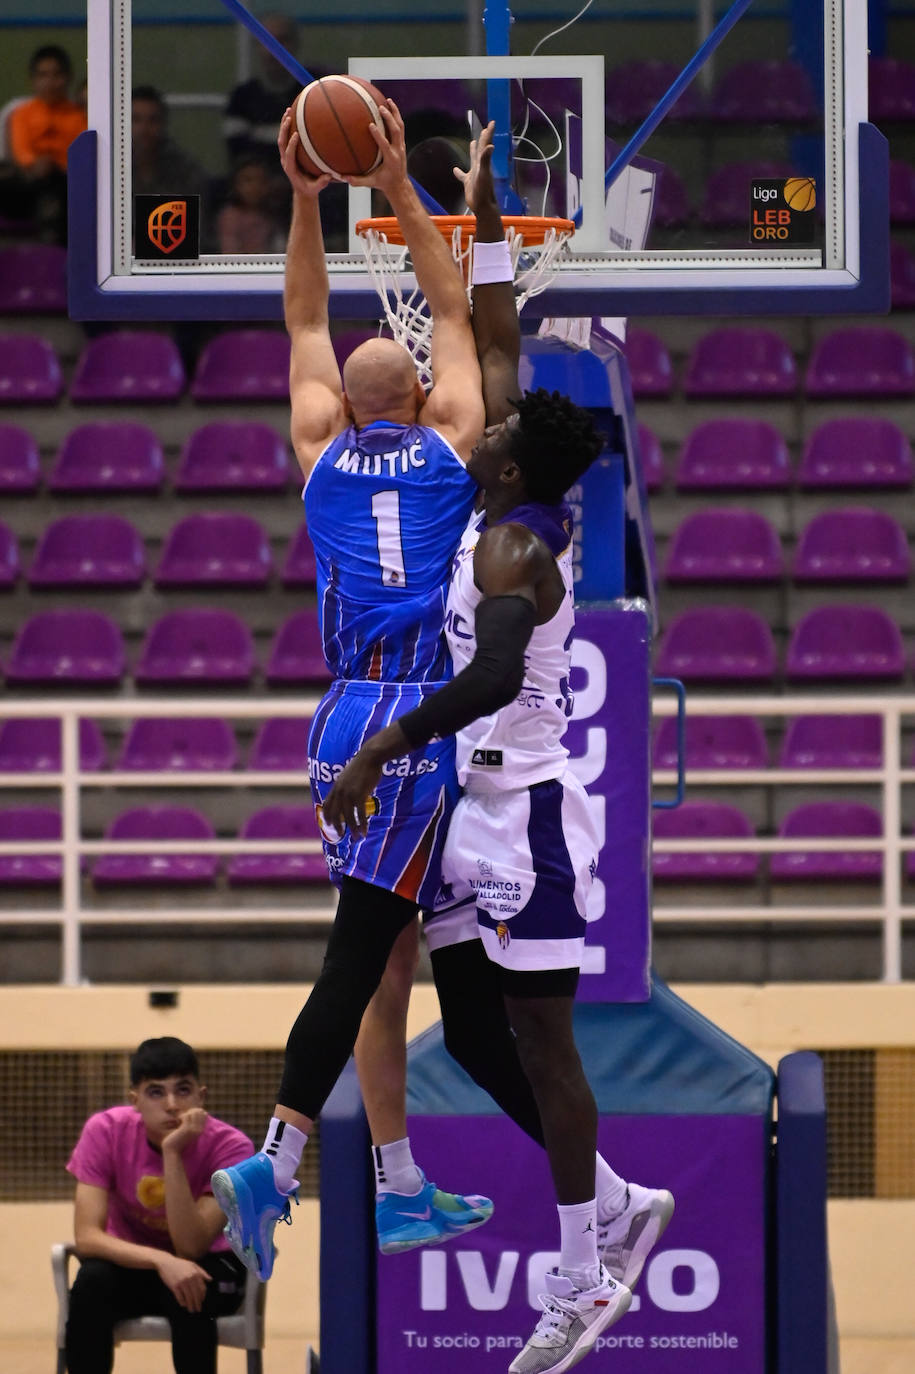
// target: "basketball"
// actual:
[[800, 193], [333, 117]]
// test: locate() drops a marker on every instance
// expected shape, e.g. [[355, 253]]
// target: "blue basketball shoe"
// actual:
[[405, 1220], [253, 1204]]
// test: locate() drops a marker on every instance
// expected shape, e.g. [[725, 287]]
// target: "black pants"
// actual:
[[104, 1294]]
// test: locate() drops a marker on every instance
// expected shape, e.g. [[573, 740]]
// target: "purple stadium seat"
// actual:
[[717, 644], [712, 742], [728, 545], [157, 823], [891, 89], [108, 456], [244, 365], [132, 365], [741, 362], [297, 653], [852, 545], [671, 202], [279, 823], [726, 202], [32, 745], [860, 451], [634, 88], [846, 643], [827, 820], [9, 558], [863, 360], [902, 277], [902, 192], [20, 466], [67, 646], [233, 455], [281, 745], [832, 742], [180, 744], [765, 91], [197, 646], [699, 820], [215, 549], [652, 458], [299, 566], [33, 279], [29, 823], [348, 339], [721, 455], [649, 364], [29, 371], [89, 551]]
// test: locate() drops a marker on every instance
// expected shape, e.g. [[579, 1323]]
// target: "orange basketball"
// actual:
[[333, 117], [800, 193]]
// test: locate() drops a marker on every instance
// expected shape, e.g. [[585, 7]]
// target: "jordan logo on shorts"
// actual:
[[487, 758]]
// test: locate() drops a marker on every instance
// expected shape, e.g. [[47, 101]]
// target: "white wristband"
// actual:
[[492, 262]]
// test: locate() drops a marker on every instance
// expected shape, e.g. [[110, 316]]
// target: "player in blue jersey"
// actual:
[[387, 495]]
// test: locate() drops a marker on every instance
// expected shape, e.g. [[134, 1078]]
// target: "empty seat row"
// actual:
[[737, 742], [211, 549]]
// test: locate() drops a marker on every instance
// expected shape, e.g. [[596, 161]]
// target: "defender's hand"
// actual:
[[479, 187]]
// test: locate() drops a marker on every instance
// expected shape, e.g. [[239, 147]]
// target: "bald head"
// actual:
[[380, 381]]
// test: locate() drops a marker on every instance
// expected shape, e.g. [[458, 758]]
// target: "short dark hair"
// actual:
[[150, 93], [554, 443], [60, 56], [163, 1057]]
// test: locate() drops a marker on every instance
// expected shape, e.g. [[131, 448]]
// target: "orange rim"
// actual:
[[532, 228]]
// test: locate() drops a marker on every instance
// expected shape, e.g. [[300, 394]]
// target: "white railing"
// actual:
[[71, 783]]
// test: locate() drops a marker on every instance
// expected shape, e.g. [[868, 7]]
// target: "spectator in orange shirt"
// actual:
[[39, 133]]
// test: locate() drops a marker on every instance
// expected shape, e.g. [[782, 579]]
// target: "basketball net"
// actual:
[[534, 242]]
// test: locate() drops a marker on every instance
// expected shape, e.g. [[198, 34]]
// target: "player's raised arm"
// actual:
[[315, 387]]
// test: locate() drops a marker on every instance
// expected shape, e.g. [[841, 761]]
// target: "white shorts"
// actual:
[[524, 861]]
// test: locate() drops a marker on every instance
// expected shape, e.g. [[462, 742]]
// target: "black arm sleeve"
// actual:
[[495, 675]]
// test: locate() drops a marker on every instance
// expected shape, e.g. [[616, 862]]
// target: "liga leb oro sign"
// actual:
[[166, 226], [783, 211]]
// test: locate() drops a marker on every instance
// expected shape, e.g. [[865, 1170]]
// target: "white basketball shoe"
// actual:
[[625, 1243], [572, 1320]]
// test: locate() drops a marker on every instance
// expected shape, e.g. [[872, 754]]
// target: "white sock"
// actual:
[[395, 1171], [284, 1144], [612, 1191], [578, 1243]]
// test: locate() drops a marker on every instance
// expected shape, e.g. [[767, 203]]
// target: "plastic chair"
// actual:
[[157, 823], [215, 549], [891, 89], [846, 643], [299, 568], [348, 339], [861, 361], [634, 88], [89, 551], [652, 459], [729, 454], [133, 365], [183, 744], [826, 820], [281, 745], [726, 202], [717, 644], [9, 558], [729, 545], [279, 823], [33, 745], [902, 277], [108, 456], [244, 365], [233, 455], [196, 646], [29, 371], [650, 369], [33, 279], [852, 545], [20, 465], [860, 451], [29, 823], [67, 646], [741, 362], [712, 742], [297, 653], [243, 1330], [765, 91], [902, 192], [832, 742], [698, 820]]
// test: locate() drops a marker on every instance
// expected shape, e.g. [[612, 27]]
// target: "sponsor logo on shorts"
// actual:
[[319, 770], [485, 868], [329, 833], [502, 933], [486, 758]]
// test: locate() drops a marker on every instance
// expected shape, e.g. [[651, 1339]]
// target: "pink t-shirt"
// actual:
[[114, 1153]]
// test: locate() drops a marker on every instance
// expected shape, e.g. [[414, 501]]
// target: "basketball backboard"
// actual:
[[768, 188]]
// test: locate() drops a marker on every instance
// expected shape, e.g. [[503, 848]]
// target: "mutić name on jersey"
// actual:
[[396, 460]]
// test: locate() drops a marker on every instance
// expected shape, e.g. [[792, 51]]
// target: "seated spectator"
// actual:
[[34, 184], [160, 166], [249, 223], [147, 1227], [255, 108]]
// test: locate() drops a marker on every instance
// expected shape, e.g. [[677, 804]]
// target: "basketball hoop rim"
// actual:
[[532, 228]]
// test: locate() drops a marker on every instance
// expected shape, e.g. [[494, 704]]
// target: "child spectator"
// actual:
[[249, 223]]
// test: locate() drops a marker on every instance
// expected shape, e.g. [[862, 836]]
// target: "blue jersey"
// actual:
[[386, 506]]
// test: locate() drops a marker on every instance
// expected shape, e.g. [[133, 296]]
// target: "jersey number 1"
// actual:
[[386, 512]]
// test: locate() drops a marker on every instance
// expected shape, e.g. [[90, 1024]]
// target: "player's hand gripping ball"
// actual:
[[333, 117]]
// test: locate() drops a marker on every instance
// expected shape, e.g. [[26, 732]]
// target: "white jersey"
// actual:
[[522, 743]]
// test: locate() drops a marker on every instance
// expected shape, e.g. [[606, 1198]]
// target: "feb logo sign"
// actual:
[[166, 227]]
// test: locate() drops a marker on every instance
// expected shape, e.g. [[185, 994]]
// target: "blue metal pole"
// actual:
[[497, 22]]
